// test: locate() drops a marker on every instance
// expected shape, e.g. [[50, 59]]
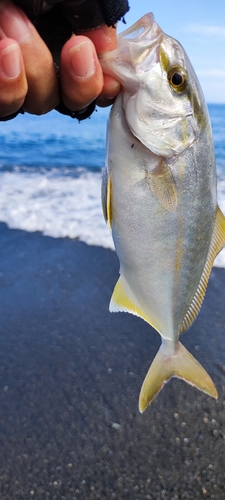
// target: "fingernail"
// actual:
[[10, 61], [113, 90], [13, 23], [82, 60]]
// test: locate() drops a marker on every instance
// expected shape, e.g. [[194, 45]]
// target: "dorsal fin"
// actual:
[[123, 301], [216, 245]]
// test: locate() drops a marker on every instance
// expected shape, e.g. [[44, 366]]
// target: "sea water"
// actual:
[[50, 174]]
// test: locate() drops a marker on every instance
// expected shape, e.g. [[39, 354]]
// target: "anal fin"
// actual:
[[123, 301]]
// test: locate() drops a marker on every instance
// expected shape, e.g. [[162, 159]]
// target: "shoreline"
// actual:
[[70, 375]]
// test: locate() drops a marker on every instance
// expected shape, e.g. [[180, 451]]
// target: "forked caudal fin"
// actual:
[[182, 365]]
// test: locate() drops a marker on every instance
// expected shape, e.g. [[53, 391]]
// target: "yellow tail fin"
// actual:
[[182, 365]]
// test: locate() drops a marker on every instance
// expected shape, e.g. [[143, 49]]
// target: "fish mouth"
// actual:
[[139, 29], [134, 45]]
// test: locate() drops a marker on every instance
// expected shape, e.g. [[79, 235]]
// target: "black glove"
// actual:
[[56, 20]]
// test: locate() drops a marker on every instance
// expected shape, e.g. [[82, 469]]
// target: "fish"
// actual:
[[159, 196]]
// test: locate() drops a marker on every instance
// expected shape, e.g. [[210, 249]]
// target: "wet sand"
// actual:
[[70, 375]]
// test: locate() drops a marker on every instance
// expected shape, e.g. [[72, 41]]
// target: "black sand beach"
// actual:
[[70, 375]]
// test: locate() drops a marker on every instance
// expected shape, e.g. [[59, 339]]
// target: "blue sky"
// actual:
[[199, 25]]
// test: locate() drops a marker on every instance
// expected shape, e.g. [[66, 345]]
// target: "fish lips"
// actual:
[[135, 45]]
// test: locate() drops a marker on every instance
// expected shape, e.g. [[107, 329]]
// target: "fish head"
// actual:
[[162, 99]]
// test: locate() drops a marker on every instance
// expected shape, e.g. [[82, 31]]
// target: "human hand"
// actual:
[[27, 72]]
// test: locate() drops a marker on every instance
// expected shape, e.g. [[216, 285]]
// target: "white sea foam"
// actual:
[[61, 205], [57, 205]]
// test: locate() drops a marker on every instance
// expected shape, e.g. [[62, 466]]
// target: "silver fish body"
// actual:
[[160, 196]]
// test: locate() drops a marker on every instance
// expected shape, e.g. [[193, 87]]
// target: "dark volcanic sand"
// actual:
[[70, 375]]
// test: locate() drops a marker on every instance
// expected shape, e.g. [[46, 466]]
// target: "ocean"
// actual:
[[50, 174]]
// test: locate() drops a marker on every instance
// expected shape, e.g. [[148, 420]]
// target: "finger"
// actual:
[[81, 73], [105, 39], [42, 80], [13, 83], [110, 90]]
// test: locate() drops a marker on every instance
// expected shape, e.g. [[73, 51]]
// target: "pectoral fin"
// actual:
[[216, 245], [123, 301], [106, 197], [182, 365], [162, 185]]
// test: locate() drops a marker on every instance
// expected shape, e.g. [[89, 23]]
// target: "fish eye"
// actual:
[[178, 79]]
